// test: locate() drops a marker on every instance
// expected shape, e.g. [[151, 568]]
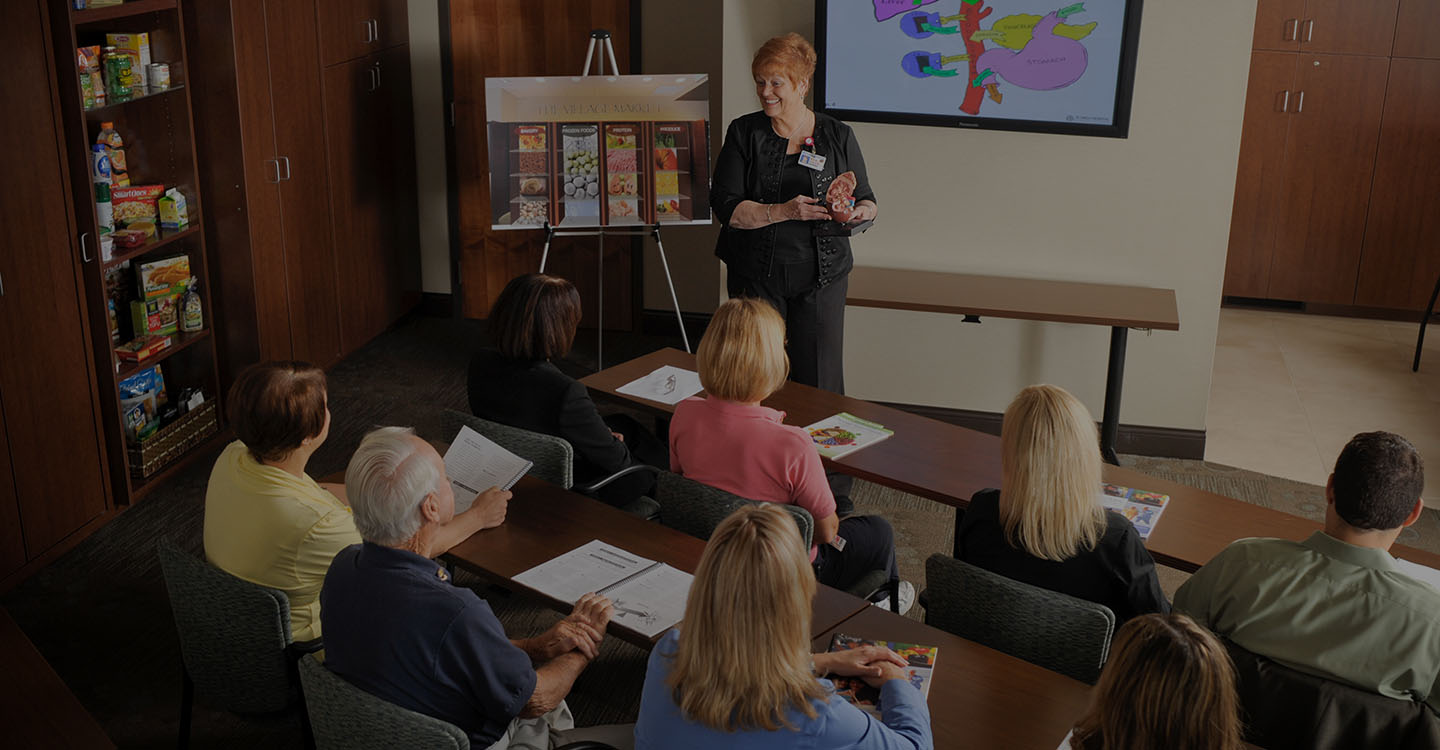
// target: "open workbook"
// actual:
[[921, 666], [474, 463], [1140, 507], [648, 596]]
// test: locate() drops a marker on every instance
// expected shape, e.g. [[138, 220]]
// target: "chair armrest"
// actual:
[[297, 649], [588, 488]]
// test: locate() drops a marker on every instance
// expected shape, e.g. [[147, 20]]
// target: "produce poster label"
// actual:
[[598, 151]]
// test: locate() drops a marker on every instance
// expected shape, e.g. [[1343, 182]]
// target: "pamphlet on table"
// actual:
[[1419, 572], [921, 667], [474, 463], [1141, 508], [668, 385], [844, 434], [648, 596]]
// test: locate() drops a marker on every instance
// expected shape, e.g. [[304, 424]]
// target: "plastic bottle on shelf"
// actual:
[[101, 176], [115, 149]]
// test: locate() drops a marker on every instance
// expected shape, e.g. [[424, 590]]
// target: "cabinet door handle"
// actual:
[[286, 161], [369, 37], [1309, 29], [2, 285], [1300, 105], [276, 164], [374, 30], [1285, 105], [84, 254], [374, 79], [1294, 34], [377, 75]]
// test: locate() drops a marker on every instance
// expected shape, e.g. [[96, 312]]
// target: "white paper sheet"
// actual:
[[474, 464], [1419, 572], [652, 602], [668, 385], [591, 567]]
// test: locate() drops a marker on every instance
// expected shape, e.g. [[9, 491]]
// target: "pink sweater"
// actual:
[[749, 451]]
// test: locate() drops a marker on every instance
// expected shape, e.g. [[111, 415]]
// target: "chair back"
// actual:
[[344, 717], [1285, 708], [233, 634], [696, 509], [1056, 631], [553, 457]]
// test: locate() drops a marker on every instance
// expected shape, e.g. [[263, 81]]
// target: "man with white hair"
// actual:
[[396, 627]]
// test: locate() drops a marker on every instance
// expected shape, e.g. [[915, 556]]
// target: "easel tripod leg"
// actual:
[[679, 320], [1425, 321], [1114, 383]]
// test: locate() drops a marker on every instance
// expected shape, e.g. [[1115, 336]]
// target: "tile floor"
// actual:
[[1288, 390]]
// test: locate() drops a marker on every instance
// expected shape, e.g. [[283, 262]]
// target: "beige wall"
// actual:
[[430, 118]]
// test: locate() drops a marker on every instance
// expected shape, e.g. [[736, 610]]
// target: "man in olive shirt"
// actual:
[[1335, 605]]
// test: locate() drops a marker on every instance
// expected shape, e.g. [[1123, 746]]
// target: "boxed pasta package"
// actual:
[[135, 204]]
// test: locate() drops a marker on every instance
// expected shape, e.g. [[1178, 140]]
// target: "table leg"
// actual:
[[1114, 382]]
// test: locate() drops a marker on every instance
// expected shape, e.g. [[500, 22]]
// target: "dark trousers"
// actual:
[[815, 335], [869, 545], [644, 448]]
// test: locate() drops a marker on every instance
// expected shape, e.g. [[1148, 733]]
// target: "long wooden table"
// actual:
[[948, 464], [1119, 307], [545, 521], [979, 697], [36, 708]]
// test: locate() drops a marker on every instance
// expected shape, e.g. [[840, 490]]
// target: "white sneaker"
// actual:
[[906, 595]]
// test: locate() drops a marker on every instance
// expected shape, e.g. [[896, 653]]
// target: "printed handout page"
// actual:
[[668, 385], [1422, 573], [1140, 507], [652, 602], [474, 463], [593, 566], [845, 433]]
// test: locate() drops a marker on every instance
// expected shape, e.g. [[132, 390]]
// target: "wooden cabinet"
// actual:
[[1417, 32], [1326, 26], [315, 164], [355, 28], [1336, 105], [53, 478], [1259, 184], [1402, 235]]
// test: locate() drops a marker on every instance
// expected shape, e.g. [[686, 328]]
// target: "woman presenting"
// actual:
[[770, 182]]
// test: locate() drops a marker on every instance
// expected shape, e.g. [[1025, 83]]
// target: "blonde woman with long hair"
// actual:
[[1170, 684], [728, 440], [739, 672], [1046, 526]]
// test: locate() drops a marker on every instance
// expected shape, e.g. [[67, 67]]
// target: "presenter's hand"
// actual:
[[857, 662], [888, 672], [490, 507], [802, 208]]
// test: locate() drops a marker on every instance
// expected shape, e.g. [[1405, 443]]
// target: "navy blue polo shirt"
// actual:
[[397, 628]]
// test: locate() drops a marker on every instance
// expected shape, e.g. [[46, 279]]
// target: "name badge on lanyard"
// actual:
[[810, 159]]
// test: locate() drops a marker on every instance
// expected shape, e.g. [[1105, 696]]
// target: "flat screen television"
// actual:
[[993, 64]]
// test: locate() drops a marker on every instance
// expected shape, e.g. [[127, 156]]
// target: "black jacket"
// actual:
[[536, 396], [1118, 573], [749, 168]]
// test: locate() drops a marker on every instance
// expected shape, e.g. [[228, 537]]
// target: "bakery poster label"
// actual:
[[571, 152]]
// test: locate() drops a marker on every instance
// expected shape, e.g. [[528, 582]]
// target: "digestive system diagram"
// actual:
[[1034, 52]]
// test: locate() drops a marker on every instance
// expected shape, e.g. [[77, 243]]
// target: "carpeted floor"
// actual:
[[100, 616]]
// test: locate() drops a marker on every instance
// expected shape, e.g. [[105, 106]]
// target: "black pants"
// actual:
[[869, 545], [815, 335], [644, 448]]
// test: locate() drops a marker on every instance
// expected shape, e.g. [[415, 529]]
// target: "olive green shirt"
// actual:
[[1326, 608]]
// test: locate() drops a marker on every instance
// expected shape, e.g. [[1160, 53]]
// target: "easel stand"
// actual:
[[601, 37]]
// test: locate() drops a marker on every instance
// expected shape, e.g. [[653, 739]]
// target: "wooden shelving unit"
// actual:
[[158, 131]]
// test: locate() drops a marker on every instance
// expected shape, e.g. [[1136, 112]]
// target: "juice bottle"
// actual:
[[115, 149]]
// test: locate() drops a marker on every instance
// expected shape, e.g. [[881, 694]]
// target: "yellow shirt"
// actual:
[[270, 527]]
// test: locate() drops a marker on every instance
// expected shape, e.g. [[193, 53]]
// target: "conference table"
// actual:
[[36, 708], [948, 464]]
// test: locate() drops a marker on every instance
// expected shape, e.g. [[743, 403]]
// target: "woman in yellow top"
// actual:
[[266, 520]]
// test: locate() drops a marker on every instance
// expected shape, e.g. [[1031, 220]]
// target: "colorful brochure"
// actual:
[[866, 698], [844, 434], [1141, 508]]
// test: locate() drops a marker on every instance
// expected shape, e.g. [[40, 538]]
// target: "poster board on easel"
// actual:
[[599, 151]]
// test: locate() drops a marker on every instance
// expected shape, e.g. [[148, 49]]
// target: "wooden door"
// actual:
[[1329, 162], [47, 393], [1417, 31], [299, 131], [397, 142], [1277, 25], [392, 23], [1402, 234], [346, 29], [492, 38], [12, 540], [357, 201], [1348, 27], [1259, 180]]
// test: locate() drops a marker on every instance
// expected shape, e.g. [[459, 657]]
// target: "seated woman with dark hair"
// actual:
[[266, 520], [516, 383], [1046, 527]]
